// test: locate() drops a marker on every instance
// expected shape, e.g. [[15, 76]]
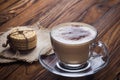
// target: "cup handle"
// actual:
[[104, 53]]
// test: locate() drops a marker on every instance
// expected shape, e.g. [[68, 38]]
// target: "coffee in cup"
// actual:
[[71, 42]]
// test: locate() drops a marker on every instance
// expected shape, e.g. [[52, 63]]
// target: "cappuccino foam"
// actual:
[[71, 34]]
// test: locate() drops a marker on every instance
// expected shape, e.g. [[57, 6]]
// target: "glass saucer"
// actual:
[[95, 63]]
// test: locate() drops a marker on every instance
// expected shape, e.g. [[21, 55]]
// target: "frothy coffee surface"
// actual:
[[71, 34]]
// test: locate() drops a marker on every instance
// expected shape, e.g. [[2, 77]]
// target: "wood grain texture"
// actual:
[[104, 15]]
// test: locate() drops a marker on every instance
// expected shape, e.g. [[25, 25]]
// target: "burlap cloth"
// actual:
[[43, 47]]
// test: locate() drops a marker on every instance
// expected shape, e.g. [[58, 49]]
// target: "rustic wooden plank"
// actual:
[[112, 40], [14, 10], [112, 37], [39, 7], [6, 3], [108, 20], [7, 69], [112, 12], [74, 12], [54, 13], [2, 1], [94, 13], [26, 72], [112, 2]]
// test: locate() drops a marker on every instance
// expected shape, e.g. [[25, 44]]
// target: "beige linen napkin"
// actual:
[[43, 46], [5, 60]]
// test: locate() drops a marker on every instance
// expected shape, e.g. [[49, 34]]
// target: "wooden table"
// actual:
[[103, 14]]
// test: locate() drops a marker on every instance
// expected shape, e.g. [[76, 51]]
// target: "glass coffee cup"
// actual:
[[73, 43]]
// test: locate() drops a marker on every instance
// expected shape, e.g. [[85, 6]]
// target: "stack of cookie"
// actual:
[[22, 39]]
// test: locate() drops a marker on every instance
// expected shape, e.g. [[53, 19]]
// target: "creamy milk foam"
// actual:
[[71, 34]]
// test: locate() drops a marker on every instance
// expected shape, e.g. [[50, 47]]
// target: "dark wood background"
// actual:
[[103, 14]]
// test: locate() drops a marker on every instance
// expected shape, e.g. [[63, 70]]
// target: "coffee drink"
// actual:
[[71, 41]]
